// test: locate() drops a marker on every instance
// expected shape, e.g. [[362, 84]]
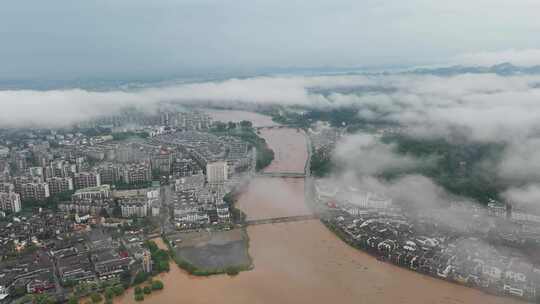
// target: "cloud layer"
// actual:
[[477, 107], [489, 107], [63, 107], [366, 155]]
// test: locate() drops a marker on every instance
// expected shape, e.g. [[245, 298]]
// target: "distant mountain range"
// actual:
[[504, 69]]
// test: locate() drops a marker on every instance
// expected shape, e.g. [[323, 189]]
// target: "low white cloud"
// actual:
[[526, 198], [524, 195], [521, 161], [367, 155], [415, 192], [63, 107], [481, 107]]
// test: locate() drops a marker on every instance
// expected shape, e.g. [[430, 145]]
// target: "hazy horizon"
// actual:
[[138, 40]]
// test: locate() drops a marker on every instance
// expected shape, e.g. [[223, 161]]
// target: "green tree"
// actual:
[[19, 292], [157, 285], [147, 290], [73, 300], [117, 211], [220, 126], [118, 290], [151, 245], [69, 283], [246, 124], [140, 277], [96, 297], [109, 293], [125, 278], [42, 299], [232, 271]]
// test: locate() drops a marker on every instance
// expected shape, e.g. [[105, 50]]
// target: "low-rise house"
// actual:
[[108, 264], [73, 266]]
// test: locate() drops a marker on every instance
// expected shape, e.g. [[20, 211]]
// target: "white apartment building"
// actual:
[[134, 208], [10, 201], [217, 172]]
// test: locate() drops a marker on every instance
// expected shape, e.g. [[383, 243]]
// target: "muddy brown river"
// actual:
[[303, 262]]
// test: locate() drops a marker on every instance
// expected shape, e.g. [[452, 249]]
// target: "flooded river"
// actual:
[[258, 120], [290, 151], [303, 262]]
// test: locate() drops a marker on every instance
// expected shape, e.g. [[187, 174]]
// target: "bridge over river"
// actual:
[[284, 219], [283, 174]]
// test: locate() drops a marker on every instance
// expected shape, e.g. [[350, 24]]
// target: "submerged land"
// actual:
[[303, 261], [273, 229]]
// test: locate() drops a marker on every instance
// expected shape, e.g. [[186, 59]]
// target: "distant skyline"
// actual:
[[135, 39]]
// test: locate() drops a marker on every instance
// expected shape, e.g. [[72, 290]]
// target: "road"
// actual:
[[61, 294], [167, 197]]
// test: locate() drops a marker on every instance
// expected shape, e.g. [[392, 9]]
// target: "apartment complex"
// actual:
[[217, 172], [10, 202], [86, 179]]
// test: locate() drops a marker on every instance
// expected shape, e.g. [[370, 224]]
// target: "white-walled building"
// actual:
[[217, 172], [371, 200], [4, 151], [134, 208], [10, 201], [147, 261], [93, 193]]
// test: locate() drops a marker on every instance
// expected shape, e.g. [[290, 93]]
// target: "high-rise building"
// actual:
[[217, 172], [83, 180], [7, 187], [109, 173], [10, 201], [193, 120], [36, 172], [134, 207], [18, 181], [21, 163], [38, 191], [162, 161], [31, 188], [42, 158], [182, 167], [4, 151], [60, 185], [60, 168], [136, 173]]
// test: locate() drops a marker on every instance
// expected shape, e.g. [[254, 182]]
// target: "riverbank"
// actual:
[[304, 262], [206, 253]]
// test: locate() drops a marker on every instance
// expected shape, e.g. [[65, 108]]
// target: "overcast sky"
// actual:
[[66, 39]]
